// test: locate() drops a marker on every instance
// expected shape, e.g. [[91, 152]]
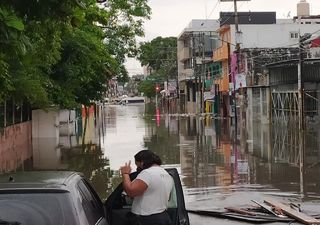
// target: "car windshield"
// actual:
[[36, 209]]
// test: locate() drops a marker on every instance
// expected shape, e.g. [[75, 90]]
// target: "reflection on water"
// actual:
[[219, 165], [125, 129]]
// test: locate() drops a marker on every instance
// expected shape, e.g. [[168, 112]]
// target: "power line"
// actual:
[[298, 42], [218, 2], [231, 15]]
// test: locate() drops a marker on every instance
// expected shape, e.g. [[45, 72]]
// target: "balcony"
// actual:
[[221, 54], [184, 54], [186, 74]]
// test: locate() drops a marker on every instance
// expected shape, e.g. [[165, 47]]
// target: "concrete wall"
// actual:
[[15, 146], [45, 137]]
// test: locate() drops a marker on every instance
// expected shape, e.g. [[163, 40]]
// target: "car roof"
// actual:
[[32, 181]]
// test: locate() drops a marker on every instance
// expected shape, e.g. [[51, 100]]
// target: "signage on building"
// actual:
[[231, 89], [243, 167], [172, 86], [208, 96], [241, 81]]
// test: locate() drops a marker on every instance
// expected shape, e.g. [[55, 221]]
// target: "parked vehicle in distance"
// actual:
[[67, 198], [133, 101]]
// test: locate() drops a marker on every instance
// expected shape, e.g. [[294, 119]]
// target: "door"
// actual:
[[91, 204], [118, 205]]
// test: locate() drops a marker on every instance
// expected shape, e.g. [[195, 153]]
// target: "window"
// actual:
[[91, 204], [186, 43], [173, 202], [308, 22], [188, 64], [294, 35], [37, 208]]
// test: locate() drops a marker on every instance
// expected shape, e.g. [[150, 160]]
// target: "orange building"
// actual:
[[222, 54]]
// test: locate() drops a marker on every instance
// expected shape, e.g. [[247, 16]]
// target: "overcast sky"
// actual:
[[170, 17]]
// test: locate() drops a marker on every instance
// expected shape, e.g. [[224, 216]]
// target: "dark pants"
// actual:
[[154, 219]]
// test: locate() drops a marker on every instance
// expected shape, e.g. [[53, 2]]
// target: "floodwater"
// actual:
[[220, 165]]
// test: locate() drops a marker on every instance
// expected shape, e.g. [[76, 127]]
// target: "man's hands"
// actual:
[[126, 169], [134, 188]]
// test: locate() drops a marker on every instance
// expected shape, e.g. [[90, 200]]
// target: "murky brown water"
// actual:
[[218, 168]]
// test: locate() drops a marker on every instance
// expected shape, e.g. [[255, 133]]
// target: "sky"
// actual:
[[170, 17]]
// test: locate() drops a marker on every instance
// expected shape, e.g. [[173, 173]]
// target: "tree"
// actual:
[[160, 55], [147, 87], [62, 52]]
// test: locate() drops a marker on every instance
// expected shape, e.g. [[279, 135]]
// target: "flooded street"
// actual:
[[218, 167], [225, 92]]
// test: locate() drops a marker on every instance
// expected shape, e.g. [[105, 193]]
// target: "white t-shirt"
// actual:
[[156, 197]]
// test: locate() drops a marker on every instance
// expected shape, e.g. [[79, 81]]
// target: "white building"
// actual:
[[188, 45], [194, 49], [271, 35]]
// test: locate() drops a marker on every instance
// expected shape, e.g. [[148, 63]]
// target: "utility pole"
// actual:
[[237, 37], [303, 42], [236, 20], [203, 69], [300, 116]]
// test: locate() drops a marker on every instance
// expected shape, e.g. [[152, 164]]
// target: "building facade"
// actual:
[[194, 53]]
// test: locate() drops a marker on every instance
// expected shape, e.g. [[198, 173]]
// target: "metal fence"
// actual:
[[12, 112]]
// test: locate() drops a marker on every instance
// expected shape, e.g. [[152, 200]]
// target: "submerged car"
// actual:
[[67, 198]]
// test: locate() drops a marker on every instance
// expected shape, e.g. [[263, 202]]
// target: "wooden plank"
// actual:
[[268, 208], [305, 219], [236, 216], [240, 211]]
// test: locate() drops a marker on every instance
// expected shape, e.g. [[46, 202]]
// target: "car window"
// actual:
[[37, 208], [91, 205], [173, 198]]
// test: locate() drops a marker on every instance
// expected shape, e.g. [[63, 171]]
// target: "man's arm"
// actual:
[[134, 188]]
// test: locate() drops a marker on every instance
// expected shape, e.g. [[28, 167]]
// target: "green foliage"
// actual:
[[63, 52], [147, 87], [160, 55]]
